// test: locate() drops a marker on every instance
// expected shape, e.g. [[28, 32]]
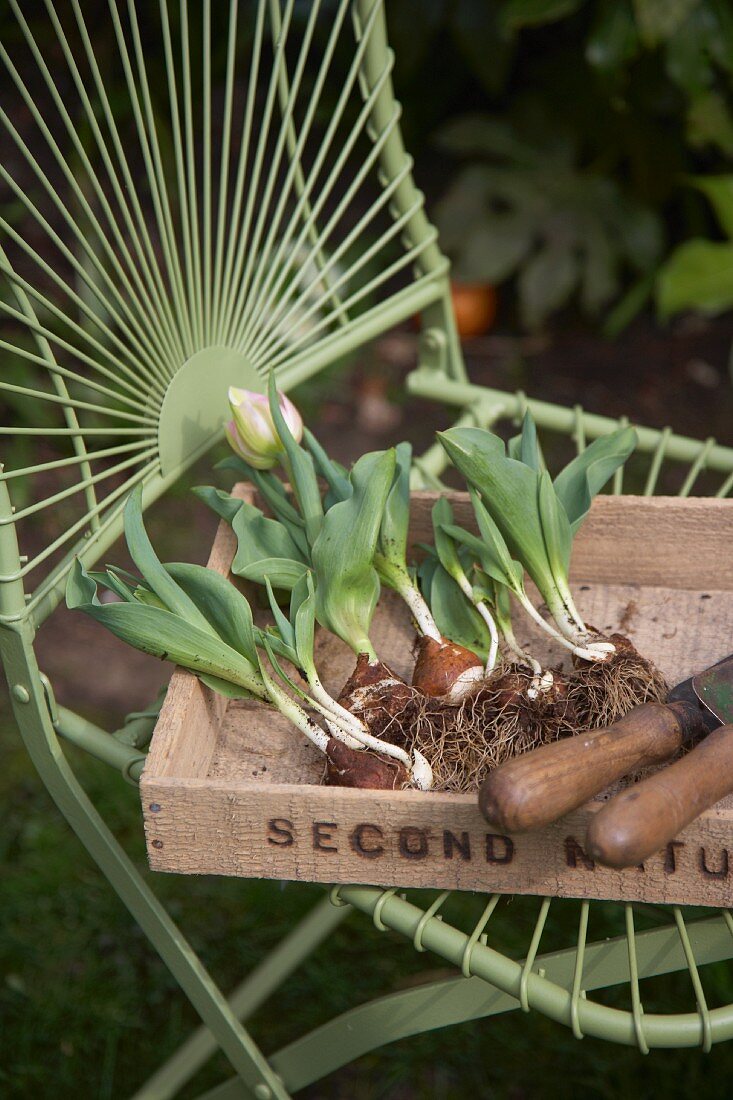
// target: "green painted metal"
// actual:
[[256, 988], [99, 744], [195, 404], [456, 1000], [31, 712], [492, 405], [556, 1000], [284, 246]]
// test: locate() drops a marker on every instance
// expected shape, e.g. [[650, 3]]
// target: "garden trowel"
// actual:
[[641, 819], [537, 788]]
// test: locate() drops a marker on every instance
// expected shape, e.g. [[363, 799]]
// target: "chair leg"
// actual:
[[247, 997], [31, 712]]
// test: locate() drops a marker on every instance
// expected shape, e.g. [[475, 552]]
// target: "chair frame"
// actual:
[[490, 982]]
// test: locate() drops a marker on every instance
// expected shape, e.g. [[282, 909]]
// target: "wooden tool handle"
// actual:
[[640, 820], [541, 786]]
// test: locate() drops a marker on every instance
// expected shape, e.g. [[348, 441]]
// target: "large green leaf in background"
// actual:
[[698, 275], [719, 191]]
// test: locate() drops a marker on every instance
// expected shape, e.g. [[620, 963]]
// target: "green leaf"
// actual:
[[478, 36], [152, 569], [281, 572], [455, 617], [445, 549], [689, 57], [347, 585], [259, 537], [396, 518], [490, 550], [509, 490], [525, 448], [585, 476], [114, 583], [223, 687], [305, 627], [273, 491], [225, 506], [220, 603], [555, 528], [517, 14], [698, 275], [546, 282], [163, 634], [658, 20], [300, 468], [81, 589], [613, 40], [709, 122], [719, 191], [333, 472], [494, 248]]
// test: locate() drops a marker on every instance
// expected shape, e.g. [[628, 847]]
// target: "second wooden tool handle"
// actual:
[[539, 787], [640, 820]]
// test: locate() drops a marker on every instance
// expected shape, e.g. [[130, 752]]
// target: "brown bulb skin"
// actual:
[[364, 770], [444, 668]]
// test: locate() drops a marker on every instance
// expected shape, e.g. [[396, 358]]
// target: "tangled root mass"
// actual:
[[464, 740]]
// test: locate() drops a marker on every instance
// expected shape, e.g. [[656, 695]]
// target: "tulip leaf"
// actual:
[[509, 490], [273, 491], [305, 627], [445, 549], [454, 616], [282, 623], [555, 527], [525, 448], [396, 518], [259, 537], [110, 580], [347, 585], [152, 569], [281, 572], [585, 476], [300, 468], [333, 472], [221, 603], [163, 634], [224, 687], [225, 506]]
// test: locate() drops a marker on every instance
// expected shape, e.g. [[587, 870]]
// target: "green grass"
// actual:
[[88, 1010]]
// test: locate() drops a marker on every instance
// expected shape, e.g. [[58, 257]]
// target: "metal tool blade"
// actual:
[[714, 689], [711, 691]]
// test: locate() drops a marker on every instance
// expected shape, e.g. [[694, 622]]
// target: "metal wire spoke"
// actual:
[[221, 177]]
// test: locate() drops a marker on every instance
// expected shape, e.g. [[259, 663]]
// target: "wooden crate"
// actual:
[[230, 788]]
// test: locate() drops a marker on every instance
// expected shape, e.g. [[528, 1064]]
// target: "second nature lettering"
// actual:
[[370, 841]]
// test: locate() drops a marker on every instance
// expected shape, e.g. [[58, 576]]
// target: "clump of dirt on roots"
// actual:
[[463, 741], [603, 691]]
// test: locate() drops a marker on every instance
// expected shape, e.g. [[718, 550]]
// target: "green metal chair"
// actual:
[[192, 232]]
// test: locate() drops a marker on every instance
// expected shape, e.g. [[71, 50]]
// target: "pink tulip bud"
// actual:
[[235, 442], [252, 433]]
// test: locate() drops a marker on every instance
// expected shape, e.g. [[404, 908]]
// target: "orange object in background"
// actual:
[[474, 305]]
